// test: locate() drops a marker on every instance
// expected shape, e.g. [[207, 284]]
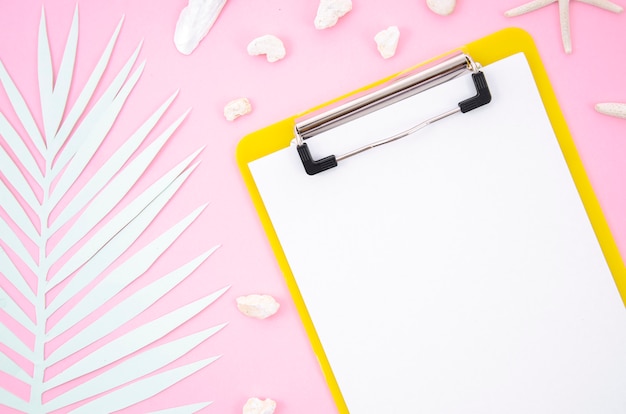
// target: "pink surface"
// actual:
[[272, 358]]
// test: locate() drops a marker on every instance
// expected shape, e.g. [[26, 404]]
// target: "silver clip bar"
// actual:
[[399, 89]]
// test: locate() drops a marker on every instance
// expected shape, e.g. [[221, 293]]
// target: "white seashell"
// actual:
[[256, 406], [257, 306], [329, 12], [442, 7], [236, 108], [613, 109], [268, 45], [194, 23], [387, 41]]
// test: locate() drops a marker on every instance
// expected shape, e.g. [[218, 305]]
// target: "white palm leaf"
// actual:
[[182, 410], [65, 149]]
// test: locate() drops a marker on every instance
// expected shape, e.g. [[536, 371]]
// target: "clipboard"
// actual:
[[487, 51]]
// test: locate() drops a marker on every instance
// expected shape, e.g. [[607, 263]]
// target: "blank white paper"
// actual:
[[455, 270]]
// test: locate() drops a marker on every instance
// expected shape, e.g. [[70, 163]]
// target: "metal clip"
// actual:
[[398, 90]]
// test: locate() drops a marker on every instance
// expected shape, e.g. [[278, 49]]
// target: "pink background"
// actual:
[[272, 358]]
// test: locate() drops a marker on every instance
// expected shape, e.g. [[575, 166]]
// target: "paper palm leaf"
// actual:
[[65, 148]]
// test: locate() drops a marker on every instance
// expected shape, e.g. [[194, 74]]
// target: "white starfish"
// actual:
[[563, 14]]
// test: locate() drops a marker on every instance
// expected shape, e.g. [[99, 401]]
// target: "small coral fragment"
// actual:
[[194, 23], [257, 406], [257, 306], [268, 45], [236, 108], [329, 12], [441, 7], [387, 41]]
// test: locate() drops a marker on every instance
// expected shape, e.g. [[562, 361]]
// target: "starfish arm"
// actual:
[[528, 7], [565, 27], [613, 109], [605, 4]]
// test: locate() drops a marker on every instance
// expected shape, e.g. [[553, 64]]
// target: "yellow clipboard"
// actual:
[[487, 50]]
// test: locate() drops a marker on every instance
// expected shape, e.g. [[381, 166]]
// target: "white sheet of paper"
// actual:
[[453, 271]]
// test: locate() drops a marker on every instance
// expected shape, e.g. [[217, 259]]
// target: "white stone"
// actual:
[[442, 7], [329, 12], [194, 23], [256, 406], [236, 108], [257, 306], [387, 41], [268, 45], [613, 109]]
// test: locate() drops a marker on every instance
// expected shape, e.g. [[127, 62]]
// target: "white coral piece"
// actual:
[[256, 406], [257, 306], [613, 109], [236, 108], [441, 7], [269, 45], [329, 12], [387, 41], [194, 23]]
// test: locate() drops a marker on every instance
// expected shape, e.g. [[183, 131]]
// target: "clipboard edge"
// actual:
[[498, 50], [248, 151]]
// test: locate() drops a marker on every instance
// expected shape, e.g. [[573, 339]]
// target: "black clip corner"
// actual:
[[312, 166], [483, 95]]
